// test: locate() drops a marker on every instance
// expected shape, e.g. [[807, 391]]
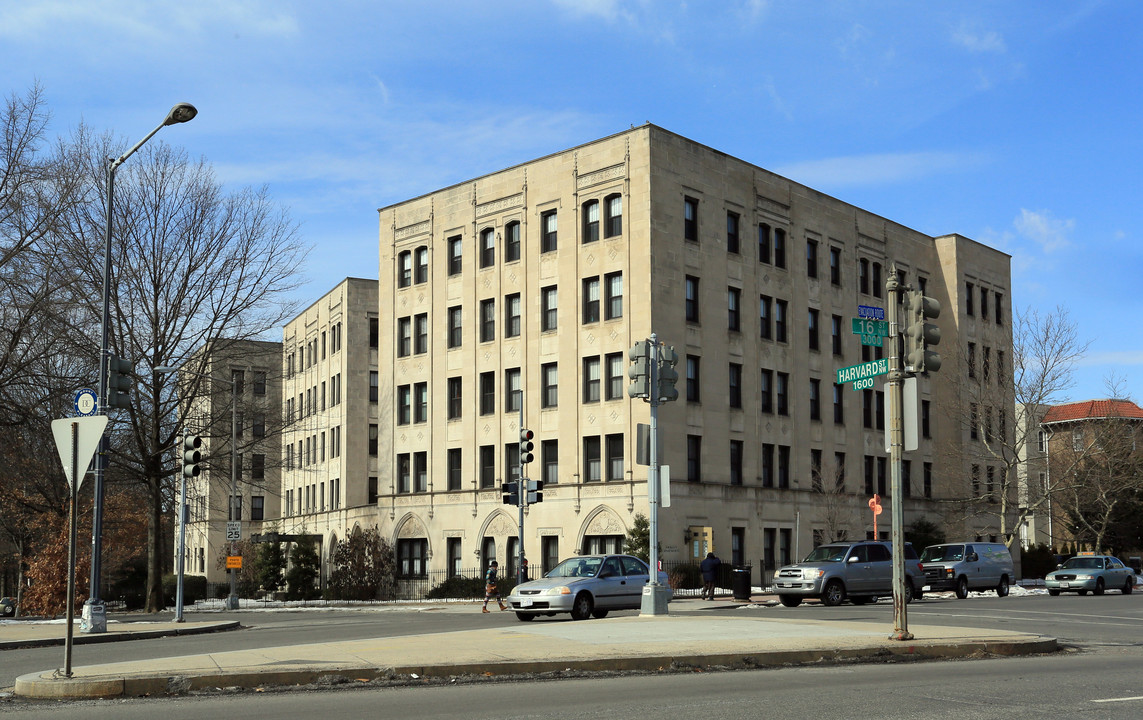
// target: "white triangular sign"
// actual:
[[89, 433]]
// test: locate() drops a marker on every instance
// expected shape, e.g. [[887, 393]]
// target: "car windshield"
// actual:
[[577, 567], [827, 553], [1084, 563], [943, 553]]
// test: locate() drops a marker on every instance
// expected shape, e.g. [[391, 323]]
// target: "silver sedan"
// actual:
[[585, 586]]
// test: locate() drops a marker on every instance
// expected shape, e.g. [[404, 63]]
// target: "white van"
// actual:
[[968, 566]]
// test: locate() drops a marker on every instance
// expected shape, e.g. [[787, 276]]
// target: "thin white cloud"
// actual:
[[978, 41], [1116, 358], [882, 169], [150, 20], [1048, 232]]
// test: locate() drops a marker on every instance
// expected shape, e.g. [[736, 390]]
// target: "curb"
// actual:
[[36, 685], [119, 637]]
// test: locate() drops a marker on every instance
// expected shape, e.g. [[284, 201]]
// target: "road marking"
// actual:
[[1126, 699]]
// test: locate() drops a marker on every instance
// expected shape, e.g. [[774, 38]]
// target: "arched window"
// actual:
[[613, 215], [511, 241], [487, 247], [404, 269], [591, 221]]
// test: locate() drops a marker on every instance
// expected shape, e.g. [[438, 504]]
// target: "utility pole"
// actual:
[[896, 446]]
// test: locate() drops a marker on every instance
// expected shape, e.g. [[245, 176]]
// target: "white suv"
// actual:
[[861, 571]]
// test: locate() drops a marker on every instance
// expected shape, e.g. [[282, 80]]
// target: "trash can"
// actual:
[[740, 582]]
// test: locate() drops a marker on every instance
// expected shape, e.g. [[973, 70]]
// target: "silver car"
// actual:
[[860, 571], [585, 586]]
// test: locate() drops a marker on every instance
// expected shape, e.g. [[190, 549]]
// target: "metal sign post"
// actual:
[[896, 443]]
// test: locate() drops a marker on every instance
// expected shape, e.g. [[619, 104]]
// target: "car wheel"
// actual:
[[1002, 588], [599, 614], [526, 617], [833, 594], [1053, 593], [1098, 586], [582, 607], [908, 591], [790, 600], [1128, 587], [962, 587]]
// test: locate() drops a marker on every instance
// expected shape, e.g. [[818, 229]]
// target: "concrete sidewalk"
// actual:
[[544, 645], [15, 634]]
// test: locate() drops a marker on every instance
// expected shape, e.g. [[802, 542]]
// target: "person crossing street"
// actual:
[[490, 588]]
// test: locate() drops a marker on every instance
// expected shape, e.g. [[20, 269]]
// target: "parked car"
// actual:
[[968, 566], [585, 586], [7, 607], [1088, 571], [861, 571]]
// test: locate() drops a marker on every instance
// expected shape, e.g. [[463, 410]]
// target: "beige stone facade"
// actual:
[[250, 372], [538, 278]]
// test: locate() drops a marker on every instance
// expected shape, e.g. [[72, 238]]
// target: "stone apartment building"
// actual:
[[510, 300], [248, 372]]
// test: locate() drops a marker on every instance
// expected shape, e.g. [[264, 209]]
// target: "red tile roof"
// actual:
[[1093, 410]]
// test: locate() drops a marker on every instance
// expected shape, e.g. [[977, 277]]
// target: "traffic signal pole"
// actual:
[[896, 447]]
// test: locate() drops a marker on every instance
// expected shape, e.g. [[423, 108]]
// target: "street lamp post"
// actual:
[[232, 600], [94, 613]]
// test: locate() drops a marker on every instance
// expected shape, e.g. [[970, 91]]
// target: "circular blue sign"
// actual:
[[86, 402]]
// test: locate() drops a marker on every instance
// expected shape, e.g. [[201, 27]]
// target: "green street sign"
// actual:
[[864, 371], [863, 326], [873, 340]]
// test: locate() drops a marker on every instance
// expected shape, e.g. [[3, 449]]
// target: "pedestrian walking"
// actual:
[[709, 569], [490, 588]]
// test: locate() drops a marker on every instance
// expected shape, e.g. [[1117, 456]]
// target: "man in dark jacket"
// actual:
[[709, 568]]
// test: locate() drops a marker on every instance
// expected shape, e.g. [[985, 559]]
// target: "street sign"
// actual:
[[873, 340], [86, 402], [864, 371], [88, 432], [233, 530], [233, 562], [863, 326], [870, 312]]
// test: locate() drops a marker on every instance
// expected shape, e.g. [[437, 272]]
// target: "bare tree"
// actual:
[[837, 509], [193, 264], [1045, 349]]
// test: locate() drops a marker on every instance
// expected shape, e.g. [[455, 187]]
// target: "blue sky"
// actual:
[[1016, 124]]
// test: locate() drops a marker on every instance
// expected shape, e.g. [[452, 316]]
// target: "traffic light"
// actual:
[[535, 491], [920, 335], [640, 370], [119, 382], [191, 456], [668, 376], [526, 446], [511, 492]]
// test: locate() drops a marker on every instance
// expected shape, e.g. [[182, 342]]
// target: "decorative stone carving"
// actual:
[[605, 523], [598, 176], [495, 206], [421, 228]]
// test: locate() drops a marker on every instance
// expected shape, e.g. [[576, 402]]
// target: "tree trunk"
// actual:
[[155, 550]]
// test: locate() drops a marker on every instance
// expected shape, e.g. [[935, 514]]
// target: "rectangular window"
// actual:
[[549, 389], [487, 320], [512, 315], [421, 402], [763, 243], [403, 472], [878, 286], [835, 335], [513, 394], [591, 459], [783, 466], [839, 471], [812, 330], [404, 404], [838, 407], [550, 461], [487, 393], [615, 375], [373, 440], [735, 389], [455, 255], [811, 258], [780, 320], [590, 221], [969, 289], [591, 300], [734, 309], [783, 393], [863, 276], [374, 334], [779, 248], [983, 303], [615, 457], [412, 557], [692, 299], [613, 215], [548, 227], [767, 390], [613, 286], [997, 302], [736, 462], [405, 269], [767, 465], [257, 507], [816, 469], [422, 270], [421, 333], [835, 266], [454, 326], [732, 233], [815, 399], [258, 467], [511, 242], [694, 458], [487, 466], [549, 309], [373, 386], [690, 219], [455, 474], [692, 378], [591, 379], [764, 312], [420, 472], [487, 248]]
